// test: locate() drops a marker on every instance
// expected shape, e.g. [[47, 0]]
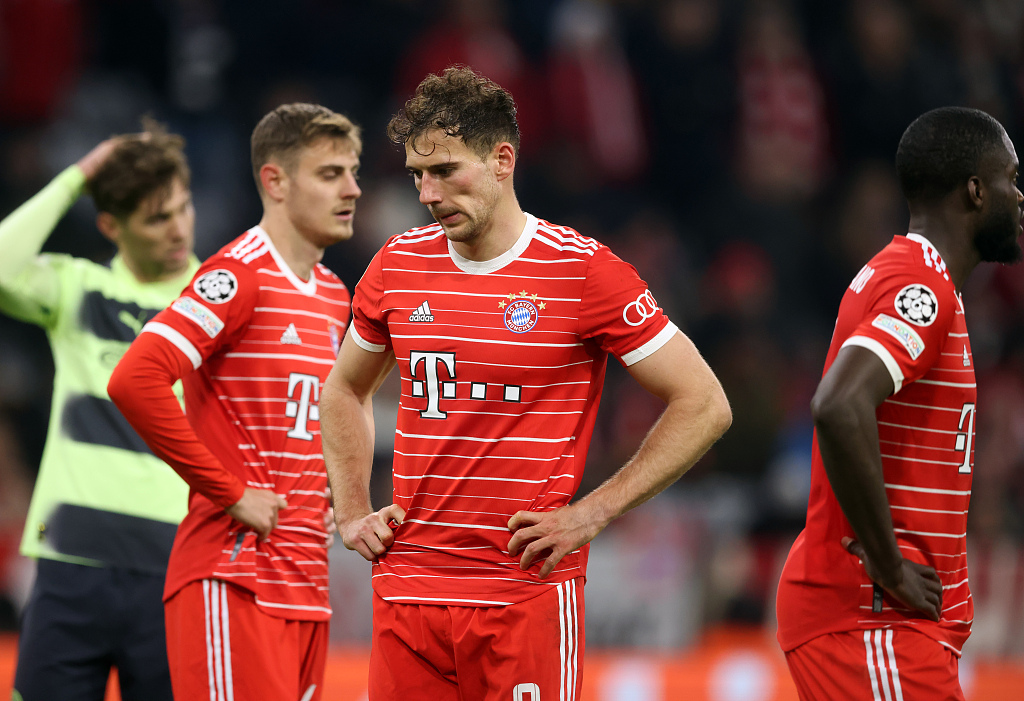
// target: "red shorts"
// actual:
[[521, 652], [890, 664], [222, 647]]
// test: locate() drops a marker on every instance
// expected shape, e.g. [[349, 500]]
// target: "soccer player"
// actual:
[[104, 509], [500, 324], [874, 600], [253, 336]]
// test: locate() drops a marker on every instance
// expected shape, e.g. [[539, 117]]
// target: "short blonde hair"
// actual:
[[288, 128]]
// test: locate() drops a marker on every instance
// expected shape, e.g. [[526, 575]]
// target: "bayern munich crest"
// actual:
[[521, 313]]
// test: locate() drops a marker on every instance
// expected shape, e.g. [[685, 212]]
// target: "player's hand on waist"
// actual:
[[371, 535], [915, 585], [550, 535], [258, 509]]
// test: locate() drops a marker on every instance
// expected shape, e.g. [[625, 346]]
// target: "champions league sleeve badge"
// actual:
[[216, 286], [521, 311], [917, 304]]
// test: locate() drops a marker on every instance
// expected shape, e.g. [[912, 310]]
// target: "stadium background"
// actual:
[[738, 153]]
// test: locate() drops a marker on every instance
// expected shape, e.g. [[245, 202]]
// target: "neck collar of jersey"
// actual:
[[920, 239], [306, 288], [482, 267]]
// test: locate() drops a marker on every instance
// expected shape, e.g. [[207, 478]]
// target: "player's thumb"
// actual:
[[852, 546], [281, 503]]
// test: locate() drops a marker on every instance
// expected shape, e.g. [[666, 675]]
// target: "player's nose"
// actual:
[[350, 189], [430, 193]]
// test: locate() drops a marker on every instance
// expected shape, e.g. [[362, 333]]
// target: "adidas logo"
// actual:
[[291, 336], [422, 313]]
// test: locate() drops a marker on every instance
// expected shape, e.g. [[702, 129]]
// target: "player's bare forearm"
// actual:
[[346, 429], [696, 416], [844, 416], [346, 425]]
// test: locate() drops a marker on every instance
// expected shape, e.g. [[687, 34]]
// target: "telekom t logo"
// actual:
[[430, 385], [302, 410]]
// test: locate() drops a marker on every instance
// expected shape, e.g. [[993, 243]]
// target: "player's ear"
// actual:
[[505, 160], [273, 178], [975, 192], [109, 226]]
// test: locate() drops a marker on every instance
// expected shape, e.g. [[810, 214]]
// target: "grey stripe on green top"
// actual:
[[101, 496]]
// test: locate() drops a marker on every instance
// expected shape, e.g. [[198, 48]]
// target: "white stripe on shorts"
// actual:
[[218, 641], [568, 639], [885, 676]]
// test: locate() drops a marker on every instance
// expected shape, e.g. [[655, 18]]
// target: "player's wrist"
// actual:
[[891, 576]]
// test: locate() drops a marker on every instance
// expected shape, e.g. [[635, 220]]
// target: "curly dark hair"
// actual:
[[460, 102], [141, 165], [942, 149]]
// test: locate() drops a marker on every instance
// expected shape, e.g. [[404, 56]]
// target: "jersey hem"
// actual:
[[648, 349], [883, 354], [363, 343]]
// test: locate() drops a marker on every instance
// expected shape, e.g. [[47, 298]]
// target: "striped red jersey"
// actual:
[[262, 342], [502, 364], [903, 307]]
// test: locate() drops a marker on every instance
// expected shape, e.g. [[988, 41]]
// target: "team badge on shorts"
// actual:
[[917, 304], [521, 313], [216, 286]]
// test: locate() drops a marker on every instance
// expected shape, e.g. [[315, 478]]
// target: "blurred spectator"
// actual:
[[783, 138], [594, 99], [40, 57], [684, 65], [883, 77]]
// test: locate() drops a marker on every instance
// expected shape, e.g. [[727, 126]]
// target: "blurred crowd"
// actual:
[[738, 152]]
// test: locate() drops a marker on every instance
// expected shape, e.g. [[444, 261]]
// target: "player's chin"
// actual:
[[337, 233]]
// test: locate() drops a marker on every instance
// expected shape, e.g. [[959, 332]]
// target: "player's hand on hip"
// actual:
[[258, 509], [549, 535], [915, 585], [371, 535]]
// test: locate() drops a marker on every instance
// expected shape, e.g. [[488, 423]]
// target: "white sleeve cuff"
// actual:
[[363, 343], [179, 341], [883, 353], [647, 349]]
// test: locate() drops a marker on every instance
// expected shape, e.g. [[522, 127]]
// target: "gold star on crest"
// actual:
[[523, 294], [502, 304], [511, 295], [542, 305], [534, 296]]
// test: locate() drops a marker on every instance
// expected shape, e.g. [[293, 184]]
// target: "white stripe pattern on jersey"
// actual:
[[885, 675], [218, 641]]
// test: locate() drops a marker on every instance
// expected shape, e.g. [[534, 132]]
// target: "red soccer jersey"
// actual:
[[262, 342], [502, 364], [903, 307]]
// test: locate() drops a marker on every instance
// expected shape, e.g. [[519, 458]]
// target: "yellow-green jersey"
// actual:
[[101, 497]]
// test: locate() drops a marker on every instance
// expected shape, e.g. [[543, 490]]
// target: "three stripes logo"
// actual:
[[422, 313], [291, 336]]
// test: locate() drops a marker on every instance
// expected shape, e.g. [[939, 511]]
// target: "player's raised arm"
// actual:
[[844, 416], [346, 425], [697, 414]]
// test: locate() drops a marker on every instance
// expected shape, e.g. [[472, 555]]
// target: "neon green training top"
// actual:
[[101, 498]]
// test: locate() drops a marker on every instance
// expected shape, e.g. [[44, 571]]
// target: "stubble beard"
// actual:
[[996, 238]]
